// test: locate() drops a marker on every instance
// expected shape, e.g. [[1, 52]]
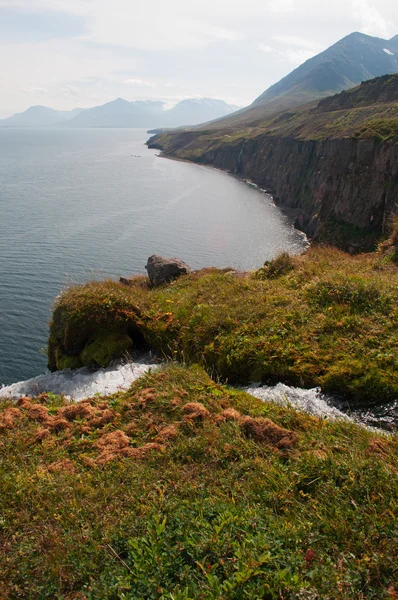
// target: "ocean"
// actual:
[[81, 204]]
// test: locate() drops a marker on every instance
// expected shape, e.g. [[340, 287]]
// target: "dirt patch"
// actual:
[[9, 417], [264, 430], [195, 411]]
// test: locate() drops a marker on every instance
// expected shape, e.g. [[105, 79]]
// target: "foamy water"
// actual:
[[311, 401], [80, 383], [84, 383]]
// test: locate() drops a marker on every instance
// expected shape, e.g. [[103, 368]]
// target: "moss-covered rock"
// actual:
[[68, 362], [104, 346]]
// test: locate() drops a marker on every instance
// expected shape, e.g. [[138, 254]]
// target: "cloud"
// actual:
[[266, 49], [300, 42], [35, 90], [297, 57], [143, 82], [69, 91], [371, 20], [281, 6]]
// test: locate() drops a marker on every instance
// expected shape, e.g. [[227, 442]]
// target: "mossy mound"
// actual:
[[104, 346], [322, 319], [182, 488]]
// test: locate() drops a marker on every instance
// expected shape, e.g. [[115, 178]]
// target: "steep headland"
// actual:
[[332, 165]]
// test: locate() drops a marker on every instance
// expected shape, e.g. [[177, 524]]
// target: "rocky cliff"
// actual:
[[333, 166]]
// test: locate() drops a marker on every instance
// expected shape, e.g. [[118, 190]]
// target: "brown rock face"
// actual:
[[342, 191], [164, 270]]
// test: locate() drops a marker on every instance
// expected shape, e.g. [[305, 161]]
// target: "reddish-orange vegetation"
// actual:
[[378, 447], [131, 428], [264, 430], [38, 412], [228, 414], [146, 396], [310, 557], [9, 417], [103, 418], [167, 433], [42, 434], [82, 410], [24, 402], [116, 443], [65, 465], [56, 424], [195, 411]]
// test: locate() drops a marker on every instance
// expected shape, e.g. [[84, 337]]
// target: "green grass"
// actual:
[[135, 497], [322, 319], [382, 129]]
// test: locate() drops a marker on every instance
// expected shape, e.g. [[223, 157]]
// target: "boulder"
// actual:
[[164, 270]]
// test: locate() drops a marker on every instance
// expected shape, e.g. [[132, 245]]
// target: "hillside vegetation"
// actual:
[[321, 319], [368, 111], [183, 489]]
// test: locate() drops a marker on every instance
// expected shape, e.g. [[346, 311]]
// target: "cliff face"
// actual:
[[341, 190], [332, 167]]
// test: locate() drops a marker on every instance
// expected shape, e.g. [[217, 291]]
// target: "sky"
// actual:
[[81, 53]]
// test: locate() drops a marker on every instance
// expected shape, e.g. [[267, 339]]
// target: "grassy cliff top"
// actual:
[[181, 488], [321, 319]]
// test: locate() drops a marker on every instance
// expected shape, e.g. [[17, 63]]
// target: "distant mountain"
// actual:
[[39, 116], [355, 58], [197, 110], [120, 113]]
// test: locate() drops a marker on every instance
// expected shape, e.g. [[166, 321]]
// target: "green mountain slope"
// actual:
[[355, 58]]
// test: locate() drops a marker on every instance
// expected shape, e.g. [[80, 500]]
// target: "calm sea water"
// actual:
[[83, 204]]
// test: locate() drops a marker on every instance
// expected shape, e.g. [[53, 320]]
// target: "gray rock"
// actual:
[[164, 270], [126, 280]]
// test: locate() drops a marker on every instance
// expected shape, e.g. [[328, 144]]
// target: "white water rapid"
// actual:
[[81, 383], [312, 401], [85, 383]]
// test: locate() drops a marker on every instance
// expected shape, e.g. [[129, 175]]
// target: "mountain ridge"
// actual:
[[122, 113], [344, 65], [43, 116]]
